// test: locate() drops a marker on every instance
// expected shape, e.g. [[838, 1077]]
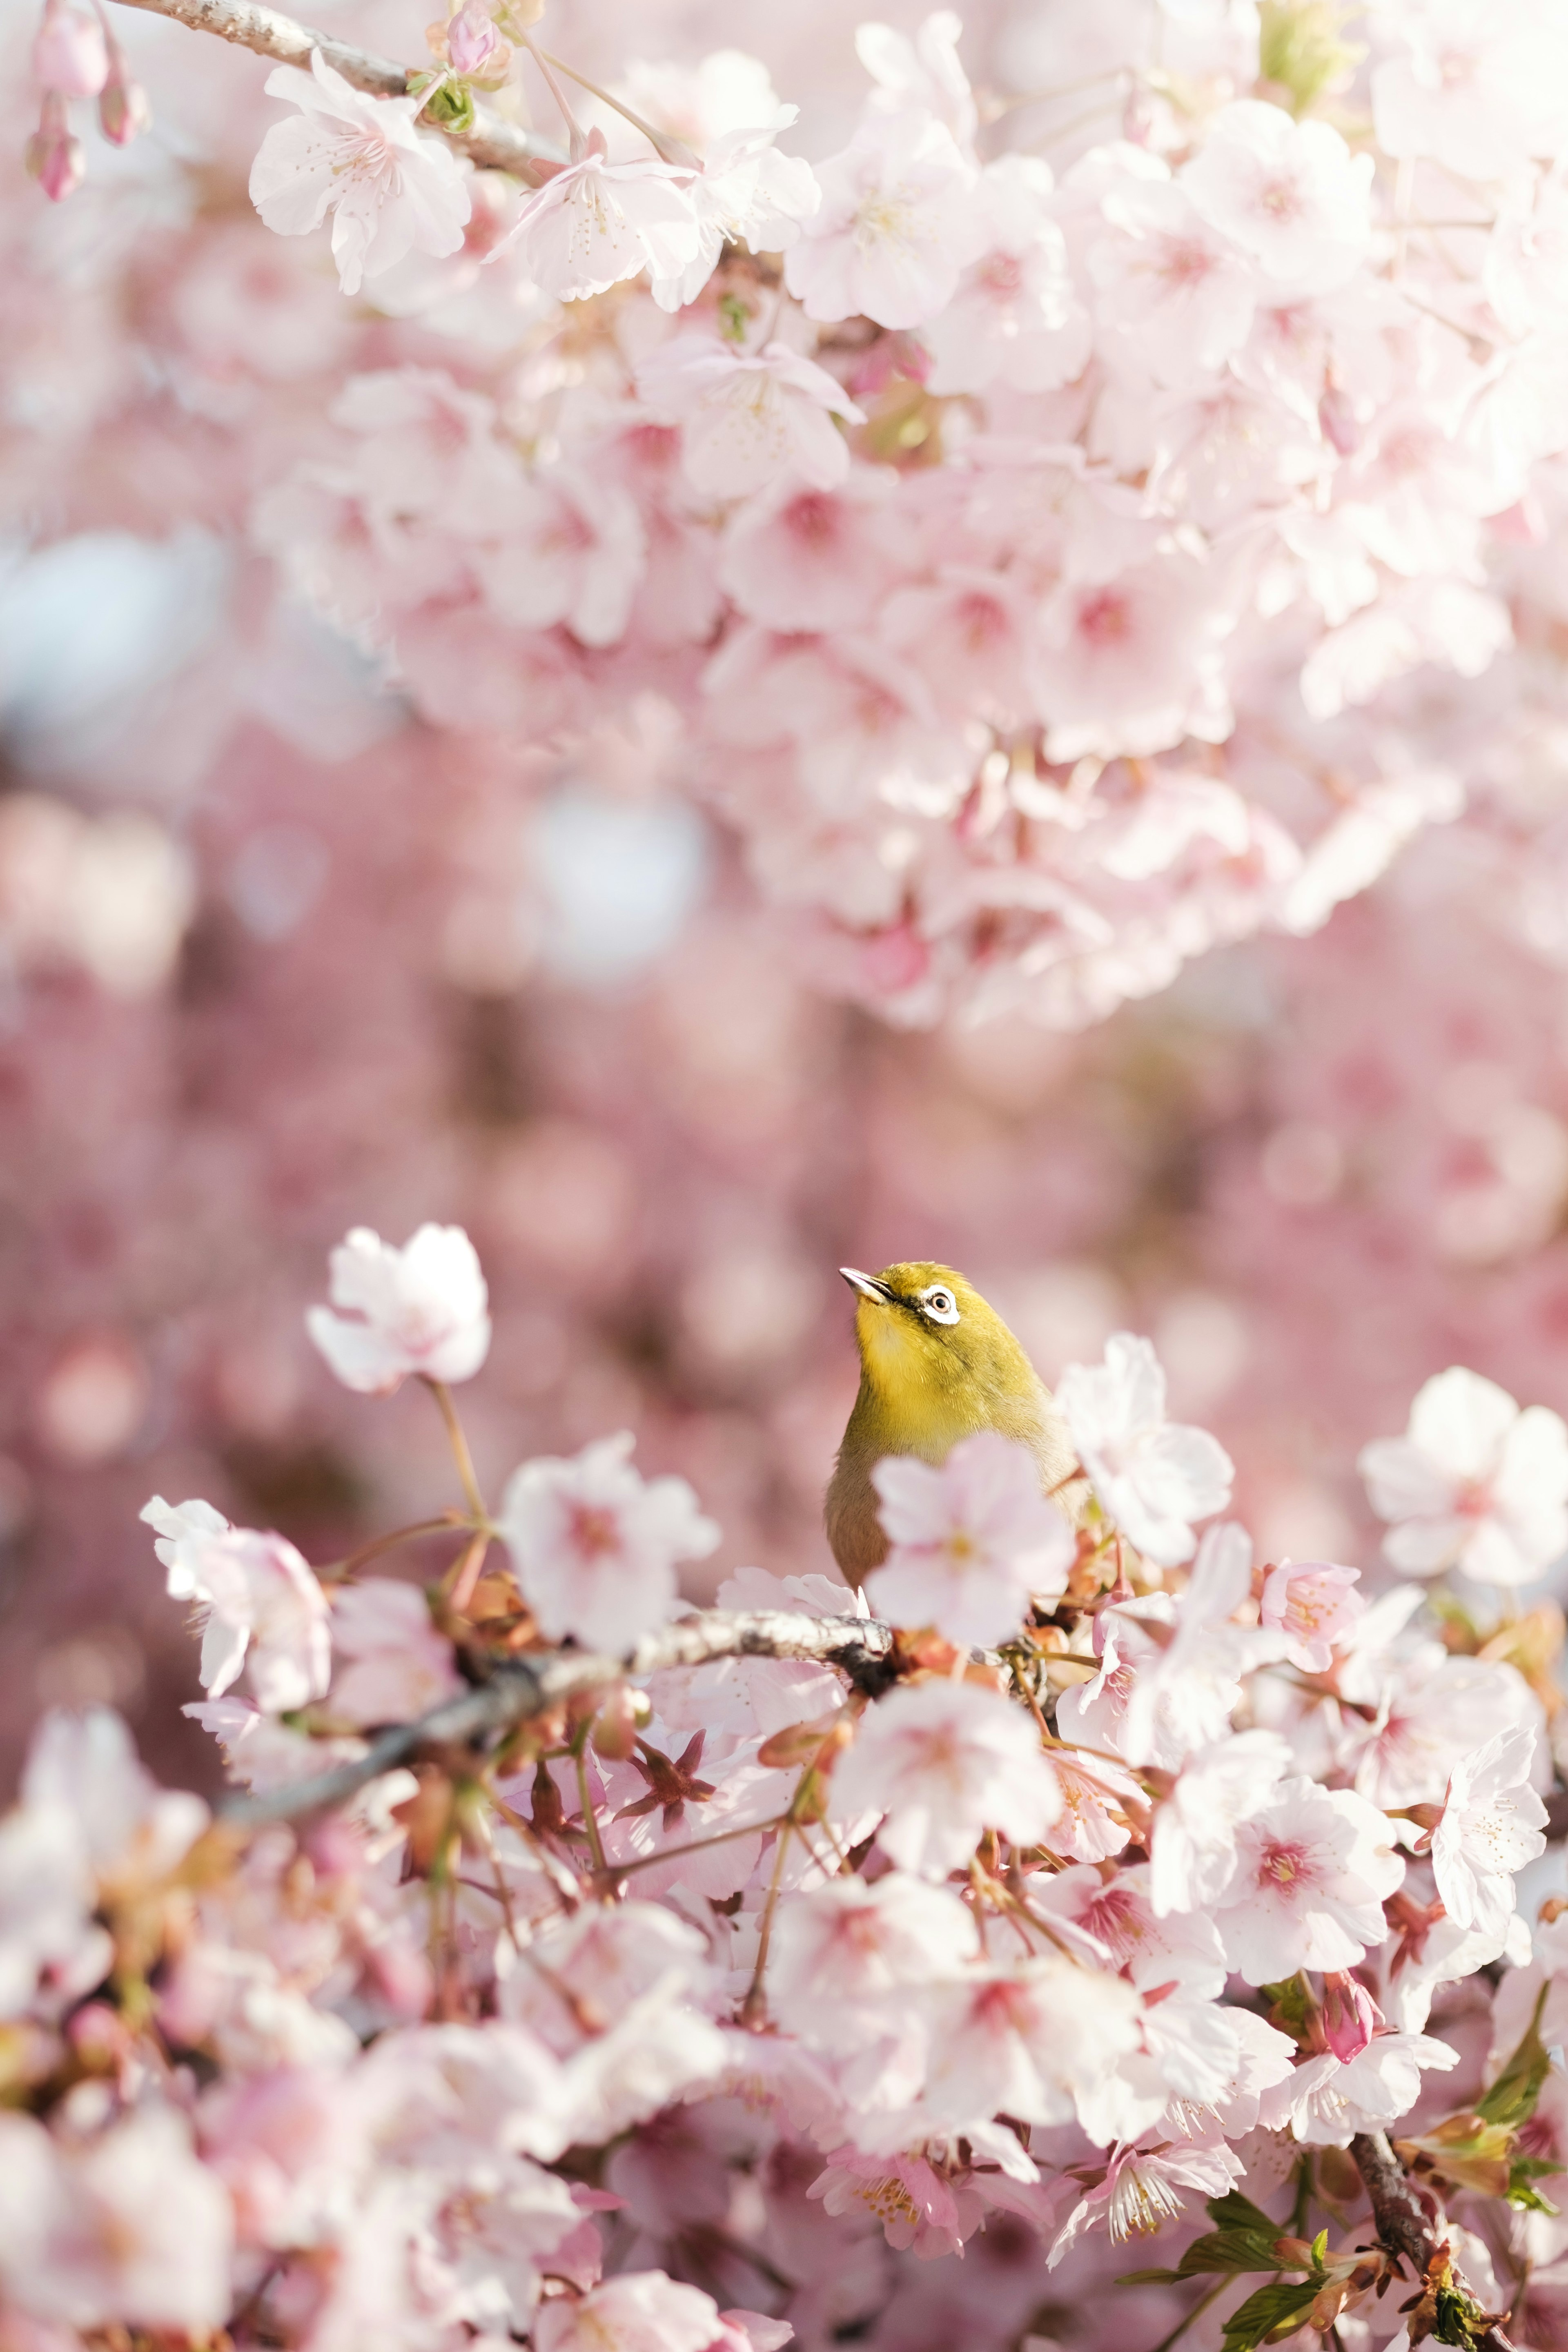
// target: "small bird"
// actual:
[[936, 1364]]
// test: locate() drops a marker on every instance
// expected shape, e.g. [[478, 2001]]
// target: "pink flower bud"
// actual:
[[70, 53], [53, 157], [123, 111], [471, 39], [1351, 2017]]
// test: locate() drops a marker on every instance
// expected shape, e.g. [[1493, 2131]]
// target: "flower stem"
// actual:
[[590, 1818], [669, 148], [460, 1455], [336, 1571], [752, 2007]]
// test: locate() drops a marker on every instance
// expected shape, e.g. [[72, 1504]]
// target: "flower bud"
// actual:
[[615, 1728], [123, 111], [52, 155], [471, 39], [69, 52], [1351, 2016]]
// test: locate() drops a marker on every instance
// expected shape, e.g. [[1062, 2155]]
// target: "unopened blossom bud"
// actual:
[[471, 39], [69, 52], [1351, 2017], [615, 1727], [53, 156], [123, 111]]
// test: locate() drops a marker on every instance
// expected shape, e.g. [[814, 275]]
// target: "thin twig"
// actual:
[[493, 143], [337, 1571], [522, 1688]]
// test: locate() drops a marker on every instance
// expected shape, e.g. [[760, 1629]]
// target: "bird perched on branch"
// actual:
[[936, 1364]]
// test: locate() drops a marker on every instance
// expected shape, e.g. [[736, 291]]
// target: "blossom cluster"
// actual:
[[1041, 554], [685, 2010]]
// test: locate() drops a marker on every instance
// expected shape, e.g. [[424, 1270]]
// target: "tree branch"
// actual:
[[1408, 2219], [494, 144], [522, 1688]]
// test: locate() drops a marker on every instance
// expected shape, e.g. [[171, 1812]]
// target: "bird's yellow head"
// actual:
[[927, 1339]]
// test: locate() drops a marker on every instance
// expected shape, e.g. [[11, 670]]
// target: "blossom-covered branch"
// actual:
[[523, 1688], [493, 143]]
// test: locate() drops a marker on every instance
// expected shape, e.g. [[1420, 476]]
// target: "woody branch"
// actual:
[[493, 143], [524, 1688]]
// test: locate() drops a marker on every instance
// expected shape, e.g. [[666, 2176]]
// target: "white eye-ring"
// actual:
[[939, 1304]]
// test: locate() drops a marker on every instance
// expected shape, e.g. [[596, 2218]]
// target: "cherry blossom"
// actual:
[[970, 1542], [595, 1545], [1493, 1824], [596, 223], [256, 1601], [1315, 1605], [748, 419], [1312, 1870], [1153, 1478], [1290, 194], [1475, 1483], [884, 241], [423, 1308], [940, 1763], [390, 191], [642, 2311], [1326, 2100], [392, 1665]]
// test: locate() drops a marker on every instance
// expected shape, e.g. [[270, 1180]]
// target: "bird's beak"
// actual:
[[867, 1286]]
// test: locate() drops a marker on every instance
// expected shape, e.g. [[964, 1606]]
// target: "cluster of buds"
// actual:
[[470, 44], [76, 55]]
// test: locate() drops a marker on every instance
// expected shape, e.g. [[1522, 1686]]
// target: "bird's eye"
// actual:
[[940, 1305]]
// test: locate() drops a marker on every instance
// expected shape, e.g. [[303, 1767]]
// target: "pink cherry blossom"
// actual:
[[885, 241], [1290, 194], [970, 1542], [595, 1545], [847, 1953], [391, 1663], [748, 419], [423, 1309], [596, 223], [1180, 291], [1192, 1850], [1016, 317], [997, 2044], [256, 1601], [1153, 1478], [1475, 1484], [1315, 1605], [642, 2311], [130, 2227], [1493, 1824], [1312, 1870], [390, 190], [943, 1762]]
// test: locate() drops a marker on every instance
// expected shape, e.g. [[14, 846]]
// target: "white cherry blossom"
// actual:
[[1493, 1824], [746, 194], [1193, 1853], [1475, 1483], [390, 189], [596, 1545], [421, 1308], [747, 418], [942, 1761], [1016, 317], [886, 241], [595, 223], [1326, 2101], [1154, 1477], [1183, 293], [1290, 194], [970, 1542]]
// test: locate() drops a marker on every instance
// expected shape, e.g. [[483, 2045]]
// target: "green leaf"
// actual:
[[1272, 2311], [1519, 2192], [1511, 2098], [1148, 2278], [1291, 2006]]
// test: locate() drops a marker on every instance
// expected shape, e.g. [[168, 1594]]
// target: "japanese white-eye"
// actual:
[[936, 1363]]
